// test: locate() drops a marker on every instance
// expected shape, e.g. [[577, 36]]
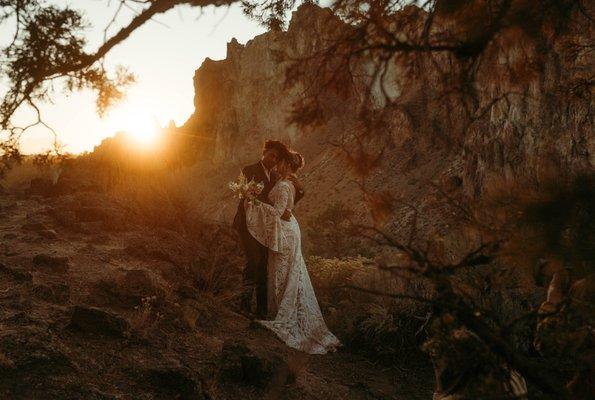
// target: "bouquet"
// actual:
[[245, 189]]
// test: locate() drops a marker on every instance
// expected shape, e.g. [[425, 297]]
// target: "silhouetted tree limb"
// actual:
[[48, 45]]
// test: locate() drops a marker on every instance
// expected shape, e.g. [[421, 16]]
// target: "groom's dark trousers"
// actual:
[[255, 273]]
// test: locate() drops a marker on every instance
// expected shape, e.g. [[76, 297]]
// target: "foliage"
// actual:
[[390, 329], [49, 46], [17, 179], [218, 272], [329, 274], [48, 50], [486, 302], [145, 317]]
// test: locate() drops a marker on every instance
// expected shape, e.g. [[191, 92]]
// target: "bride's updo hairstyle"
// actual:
[[296, 161]]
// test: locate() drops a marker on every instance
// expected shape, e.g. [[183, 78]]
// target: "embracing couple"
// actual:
[[275, 267]]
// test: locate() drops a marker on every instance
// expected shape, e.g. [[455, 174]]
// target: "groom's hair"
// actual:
[[277, 145]]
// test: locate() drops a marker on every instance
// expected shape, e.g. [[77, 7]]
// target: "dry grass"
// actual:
[[145, 317], [19, 176], [161, 199], [384, 327], [218, 277]]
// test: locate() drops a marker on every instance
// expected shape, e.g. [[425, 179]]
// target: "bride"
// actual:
[[298, 319]]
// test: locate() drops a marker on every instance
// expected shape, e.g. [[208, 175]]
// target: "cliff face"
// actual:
[[520, 124], [243, 99]]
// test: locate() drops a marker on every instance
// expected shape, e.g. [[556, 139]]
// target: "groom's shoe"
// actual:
[[255, 325], [248, 314], [246, 311], [261, 315], [261, 309]]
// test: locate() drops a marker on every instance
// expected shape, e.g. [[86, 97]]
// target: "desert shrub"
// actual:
[[18, 177], [145, 317], [213, 279], [383, 327], [544, 227], [18, 173], [146, 309], [166, 199], [160, 201], [219, 272], [393, 331], [329, 274], [210, 285]]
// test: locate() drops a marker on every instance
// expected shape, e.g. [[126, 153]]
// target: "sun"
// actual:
[[142, 130], [137, 123]]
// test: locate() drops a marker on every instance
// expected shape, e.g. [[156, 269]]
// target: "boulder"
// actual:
[[174, 382], [240, 362], [6, 364], [66, 218], [126, 291], [40, 186], [16, 274], [111, 218], [51, 263], [31, 352], [48, 234], [98, 322], [56, 293], [139, 283], [34, 227], [92, 214]]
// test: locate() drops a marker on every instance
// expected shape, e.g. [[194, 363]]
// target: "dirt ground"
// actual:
[[75, 322]]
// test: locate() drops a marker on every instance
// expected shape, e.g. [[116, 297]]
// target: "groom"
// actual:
[[255, 272]]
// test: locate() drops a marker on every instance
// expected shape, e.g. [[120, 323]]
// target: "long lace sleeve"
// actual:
[[280, 199], [264, 220]]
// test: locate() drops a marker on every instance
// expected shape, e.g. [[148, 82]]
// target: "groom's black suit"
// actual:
[[255, 273]]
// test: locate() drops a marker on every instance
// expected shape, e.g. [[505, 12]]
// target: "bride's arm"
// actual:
[[280, 202], [278, 208], [264, 220]]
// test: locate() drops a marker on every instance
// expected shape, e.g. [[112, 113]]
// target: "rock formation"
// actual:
[[520, 125]]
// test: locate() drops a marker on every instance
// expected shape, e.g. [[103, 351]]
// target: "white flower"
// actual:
[[245, 189]]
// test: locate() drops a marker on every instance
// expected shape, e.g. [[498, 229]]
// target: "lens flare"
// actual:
[[140, 125]]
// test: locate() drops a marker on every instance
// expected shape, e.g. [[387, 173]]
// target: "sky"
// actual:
[[163, 55]]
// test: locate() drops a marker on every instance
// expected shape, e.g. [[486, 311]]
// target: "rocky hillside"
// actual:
[[522, 126], [96, 306]]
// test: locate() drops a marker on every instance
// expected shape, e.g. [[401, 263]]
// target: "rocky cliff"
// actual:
[[521, 123]]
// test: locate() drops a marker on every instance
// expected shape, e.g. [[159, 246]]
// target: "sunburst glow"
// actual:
[[139, 124]]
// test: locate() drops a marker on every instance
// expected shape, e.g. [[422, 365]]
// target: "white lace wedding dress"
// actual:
[[298, 319]]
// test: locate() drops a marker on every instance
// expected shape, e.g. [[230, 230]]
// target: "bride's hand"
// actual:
[[286, 216]]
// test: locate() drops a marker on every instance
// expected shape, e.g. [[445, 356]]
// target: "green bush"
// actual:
[[384, 327]]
